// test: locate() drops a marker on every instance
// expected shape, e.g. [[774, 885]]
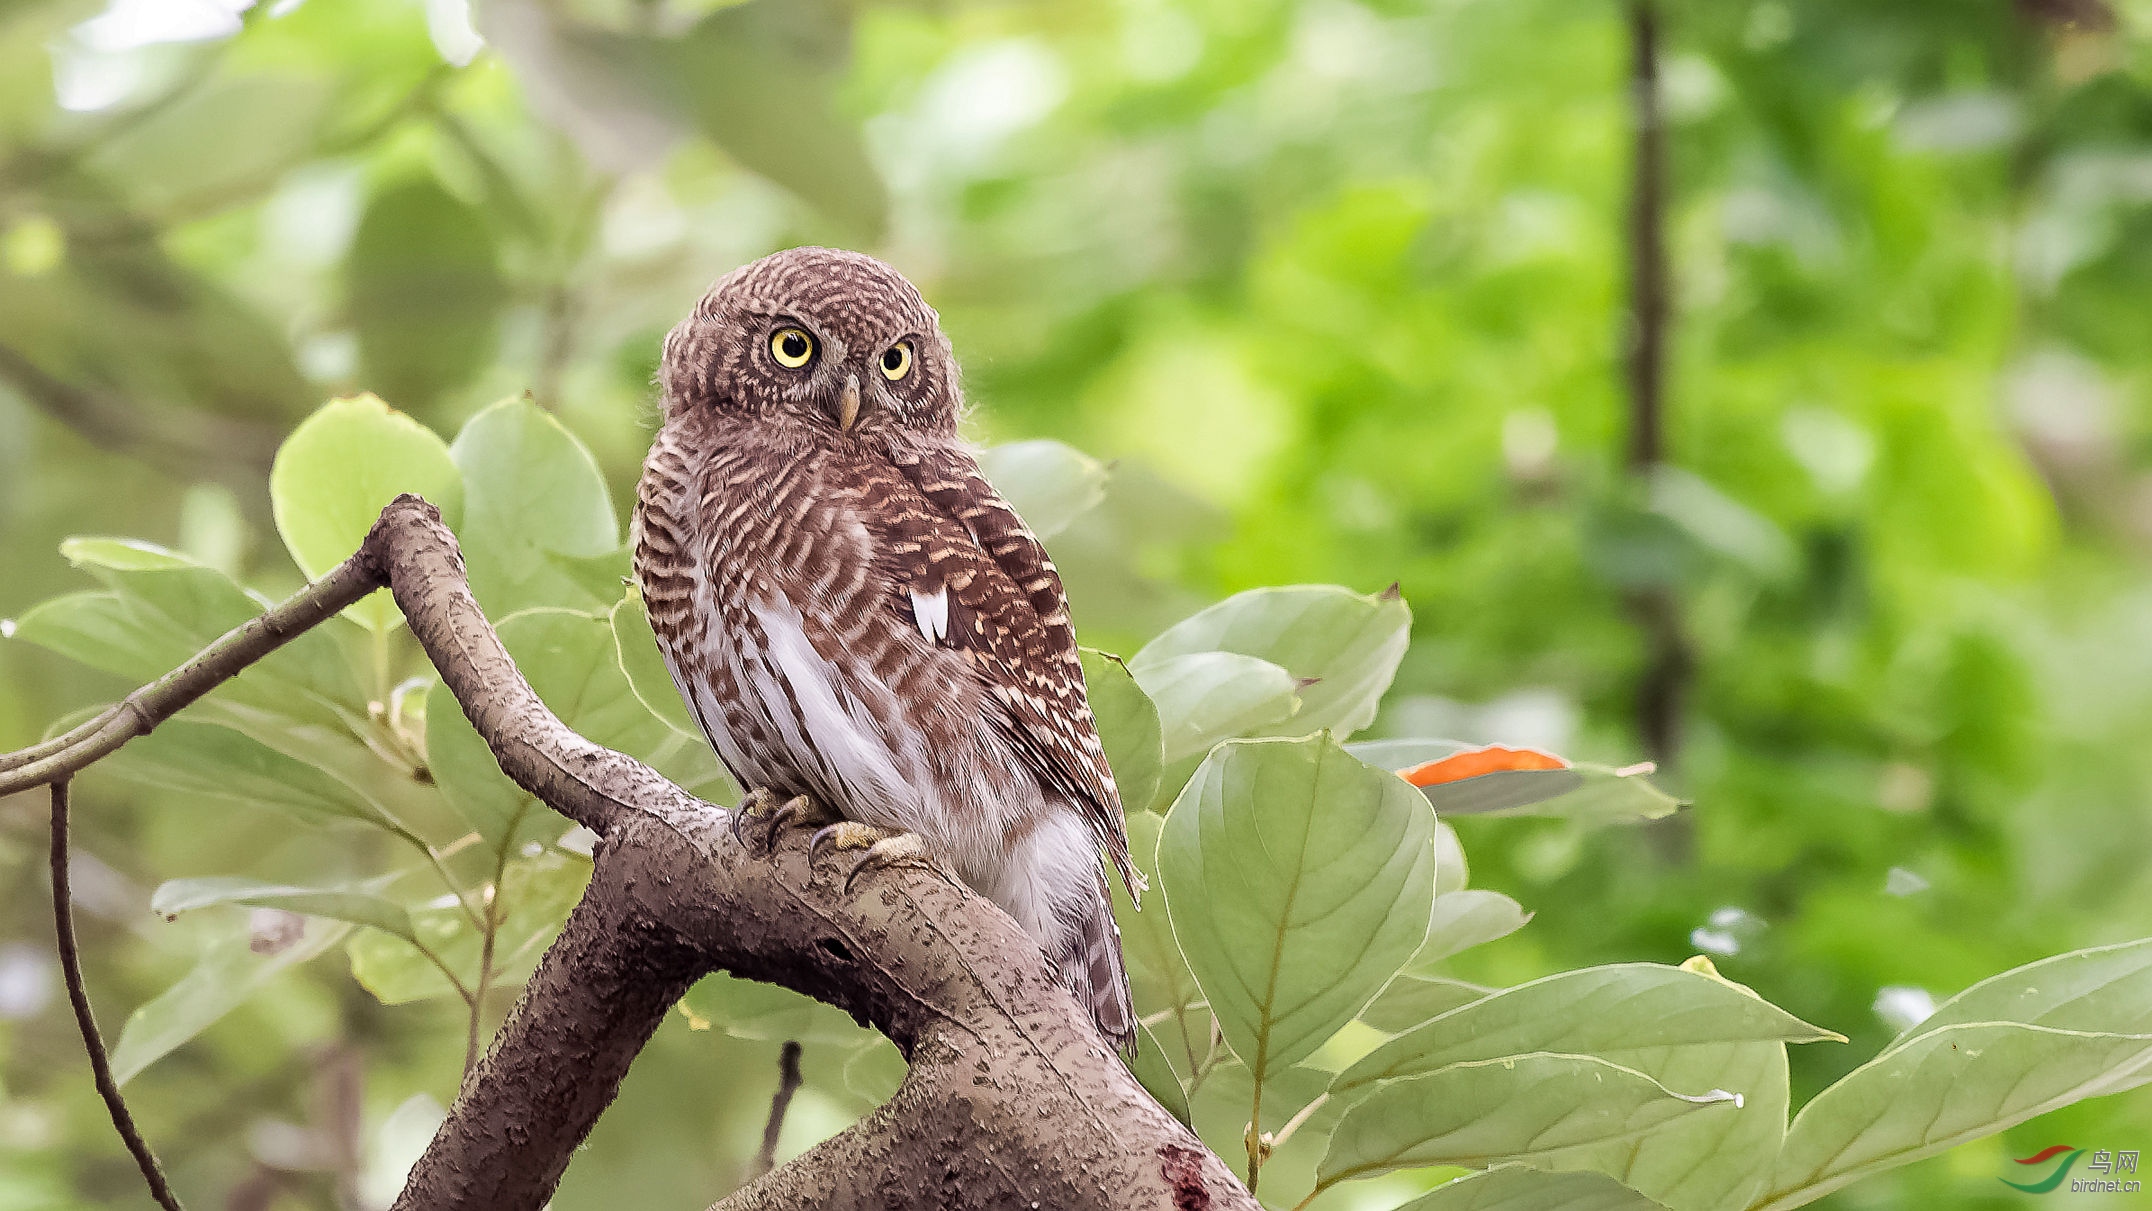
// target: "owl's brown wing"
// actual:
[[978, 581]]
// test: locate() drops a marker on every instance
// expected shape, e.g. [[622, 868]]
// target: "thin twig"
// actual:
[[788, 1083], [63, 920], [495, 916]]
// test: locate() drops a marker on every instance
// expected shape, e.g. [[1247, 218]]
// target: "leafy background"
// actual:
[[1336, 288]]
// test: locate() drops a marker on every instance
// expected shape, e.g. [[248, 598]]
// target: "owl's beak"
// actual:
[[848, 404]]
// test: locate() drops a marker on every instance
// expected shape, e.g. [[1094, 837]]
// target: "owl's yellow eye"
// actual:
[[791, 347], [897, 361]]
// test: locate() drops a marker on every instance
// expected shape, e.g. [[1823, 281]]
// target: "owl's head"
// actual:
[[819, 338]]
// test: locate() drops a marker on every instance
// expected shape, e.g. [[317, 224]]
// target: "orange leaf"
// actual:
[[1473, 762]]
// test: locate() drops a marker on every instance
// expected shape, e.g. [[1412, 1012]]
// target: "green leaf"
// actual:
[[1522, 1188], [226, 975], [354, 905], [1530, 1108], [2009, 1048], [1451, 870], [1343, 647], [1602, 1011], [536, 893], [1127, 725], [1592, 793], [169, 608], [876, 1071], [1411, 1000], [1705, 1162], [1298, 880], [571, 661], [1465, 919], [215, 762], [463, 767], [1049, 484], [534, 499], [643, 664], [1158, 973], [761, 80], [1596, 794], [750, 1009], [1152, 1070], [1205, 697], [160, 609], [338, 469], [425, 291]]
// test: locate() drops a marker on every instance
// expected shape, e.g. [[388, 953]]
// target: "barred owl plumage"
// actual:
[[854, 614]]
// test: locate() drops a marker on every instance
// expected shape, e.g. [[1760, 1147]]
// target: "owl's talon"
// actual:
[[760, 801], [903, 849], [761, 805], [844, 834], [799, 809]]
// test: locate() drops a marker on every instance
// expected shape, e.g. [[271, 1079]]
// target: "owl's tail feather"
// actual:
[[1093, 970]]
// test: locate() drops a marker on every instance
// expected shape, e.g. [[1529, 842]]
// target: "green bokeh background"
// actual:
[[1338, 287]]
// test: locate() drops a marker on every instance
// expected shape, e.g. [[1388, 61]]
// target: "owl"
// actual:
[[858, 620]]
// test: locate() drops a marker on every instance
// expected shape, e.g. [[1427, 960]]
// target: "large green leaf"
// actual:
[[1205, 697], [1048, 483], [425, 291], [1298, 880], [1707, 1161], [636, 647], [1411, 1000], [760, 79], [335, 472], [1523, 1188], [1703, 1162], [1155, 1073], [169, 607], [750, 1009], [2011, 1047], [1343, 647], [1127, 725], [160, 609], [1530, 1108], [354, 905], [1157, 971], [227, 974], [534, 501], [571, 660], [1602, 1011], [216, 762]]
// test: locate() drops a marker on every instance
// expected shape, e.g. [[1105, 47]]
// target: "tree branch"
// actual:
[[63, 919], [1011, 1098], [788, 1083], [1662, 688]]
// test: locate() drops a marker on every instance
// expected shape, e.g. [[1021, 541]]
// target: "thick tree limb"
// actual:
[[1011, 1100]]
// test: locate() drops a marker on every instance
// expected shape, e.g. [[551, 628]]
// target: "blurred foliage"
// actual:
[[1333, 287]]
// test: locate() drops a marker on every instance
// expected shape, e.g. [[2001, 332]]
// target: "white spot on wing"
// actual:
[[931, 611]]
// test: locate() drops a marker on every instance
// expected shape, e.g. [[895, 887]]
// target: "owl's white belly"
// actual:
[[804, 724]]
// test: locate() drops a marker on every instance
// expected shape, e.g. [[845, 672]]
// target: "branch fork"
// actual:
[[1011, 1098]]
